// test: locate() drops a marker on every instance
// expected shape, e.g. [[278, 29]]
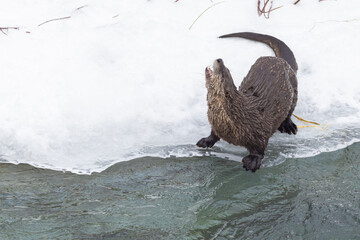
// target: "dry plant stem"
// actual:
[[204, 12], [303, 120], [55, 19], [337, 21], [296, 2]]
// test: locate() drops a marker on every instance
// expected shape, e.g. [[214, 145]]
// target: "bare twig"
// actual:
[[7, 29], [55, 19], [297, 1], [80, 7], [4, 30], [262, 10]]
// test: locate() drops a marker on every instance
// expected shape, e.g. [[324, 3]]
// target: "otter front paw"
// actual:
[[252, 162], [207, 142]]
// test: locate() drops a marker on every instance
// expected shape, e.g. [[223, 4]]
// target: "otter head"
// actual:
[[219, 78]]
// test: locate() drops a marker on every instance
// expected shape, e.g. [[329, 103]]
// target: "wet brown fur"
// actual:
[[250, 115]]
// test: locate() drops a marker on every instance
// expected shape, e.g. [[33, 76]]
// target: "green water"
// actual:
[[186, 198]]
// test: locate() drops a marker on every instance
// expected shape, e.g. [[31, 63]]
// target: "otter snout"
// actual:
[[218, 65]]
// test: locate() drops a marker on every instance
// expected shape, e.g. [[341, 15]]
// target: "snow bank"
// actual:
[[124, 79]]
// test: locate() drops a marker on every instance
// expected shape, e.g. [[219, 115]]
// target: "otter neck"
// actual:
[[222, 101], [224, 94]]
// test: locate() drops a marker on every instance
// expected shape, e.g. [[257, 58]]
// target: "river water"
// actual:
[[186, 198]]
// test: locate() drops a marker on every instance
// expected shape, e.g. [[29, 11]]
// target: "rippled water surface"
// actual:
[[186, 198]]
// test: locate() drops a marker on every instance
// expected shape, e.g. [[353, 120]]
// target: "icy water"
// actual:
[[186, 198]]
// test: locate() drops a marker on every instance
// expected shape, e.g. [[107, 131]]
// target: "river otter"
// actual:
[[264, 102]]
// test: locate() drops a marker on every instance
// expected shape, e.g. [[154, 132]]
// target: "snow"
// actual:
[[124, 79]]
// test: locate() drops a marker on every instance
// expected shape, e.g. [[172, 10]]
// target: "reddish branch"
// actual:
[[55, 19], [262, 10]]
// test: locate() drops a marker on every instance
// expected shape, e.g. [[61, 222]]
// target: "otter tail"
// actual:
[[279, 47]]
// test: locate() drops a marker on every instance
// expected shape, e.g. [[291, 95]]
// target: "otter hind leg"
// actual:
[[252, 162], [209, 141], [287, 126]]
